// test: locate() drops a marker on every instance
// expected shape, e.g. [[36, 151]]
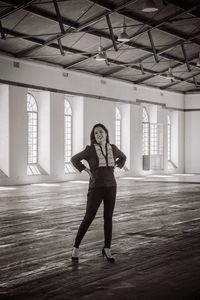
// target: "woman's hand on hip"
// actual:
[[89, 172]]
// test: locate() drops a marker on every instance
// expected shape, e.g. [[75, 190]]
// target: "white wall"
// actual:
[[43, 102], [51, 77], [4, 129], [192, 142], [136, 139], [18, 133], [192, 136], [125, 130], [192, 101], [77, 104], [175, 145], [97, 111], [181, 141], [162, 119], [57, 135]]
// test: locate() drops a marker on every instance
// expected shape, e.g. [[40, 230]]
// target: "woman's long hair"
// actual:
[[92, 137]]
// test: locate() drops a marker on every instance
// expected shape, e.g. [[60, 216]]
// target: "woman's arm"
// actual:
[[121, 157], [77, 158], [88, 171]]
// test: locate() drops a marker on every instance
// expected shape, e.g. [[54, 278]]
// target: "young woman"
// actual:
[[102, 158]]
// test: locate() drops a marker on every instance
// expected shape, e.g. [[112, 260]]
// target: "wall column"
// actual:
[[4, 130], [136, 139], [18, 133], [57, 135]]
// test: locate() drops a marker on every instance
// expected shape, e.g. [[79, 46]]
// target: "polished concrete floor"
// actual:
[[156, 242], [187, 178]]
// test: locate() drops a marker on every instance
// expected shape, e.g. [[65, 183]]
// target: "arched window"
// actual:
[[169, 137], [32, 111], [68, 136], [118, 128], [146, 132]]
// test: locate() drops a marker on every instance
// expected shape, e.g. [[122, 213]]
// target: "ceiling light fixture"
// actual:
[[123, 37], [142, 68], [197, 85], [101, 56], [169, 74], [149, 6]]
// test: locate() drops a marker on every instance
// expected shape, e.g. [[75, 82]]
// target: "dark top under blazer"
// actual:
[[101, 176]]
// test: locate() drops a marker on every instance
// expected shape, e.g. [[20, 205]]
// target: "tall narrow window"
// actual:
[[118, 128], [146, 132], [154, 139], [32, 111], [145, 139], [68, 137], [169, 137], [156, 149]]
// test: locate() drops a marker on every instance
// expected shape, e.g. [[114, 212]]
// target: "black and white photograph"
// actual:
[[99, 150]]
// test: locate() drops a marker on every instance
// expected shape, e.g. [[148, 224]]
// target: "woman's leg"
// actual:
[[109, 204], [94, 198]]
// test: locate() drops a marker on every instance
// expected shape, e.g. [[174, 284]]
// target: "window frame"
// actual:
[[68, 115], [32, 112], [145, 125], [118, 125], [169, 137]]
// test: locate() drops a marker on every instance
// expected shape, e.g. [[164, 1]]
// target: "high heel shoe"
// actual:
[[108, 255], [75, 254]]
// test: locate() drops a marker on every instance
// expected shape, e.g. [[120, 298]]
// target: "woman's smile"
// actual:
[[100, 134]]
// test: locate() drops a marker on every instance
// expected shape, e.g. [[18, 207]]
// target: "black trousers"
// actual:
[[94, 198]]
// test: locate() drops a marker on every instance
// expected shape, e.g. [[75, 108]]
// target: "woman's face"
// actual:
[[100, 134]]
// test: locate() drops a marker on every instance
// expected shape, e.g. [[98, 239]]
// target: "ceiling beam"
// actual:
[[49, 16], [62, 29], [186, 5], [185, 56], [111, 33], [197, 90], [59, 36], [140, 60], [177, 80], [153, 47], [163, 71], [3, 36], [112, 9], [135, 67], [161, 53], [149, 77], [157, 25], [103, 4], [152, 24], [80, 28], [138, 81], [181, 80], [40, 42], [75, 25], [15, 6], [88, 55], [142, 68], [195, 82], [61, 47]]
